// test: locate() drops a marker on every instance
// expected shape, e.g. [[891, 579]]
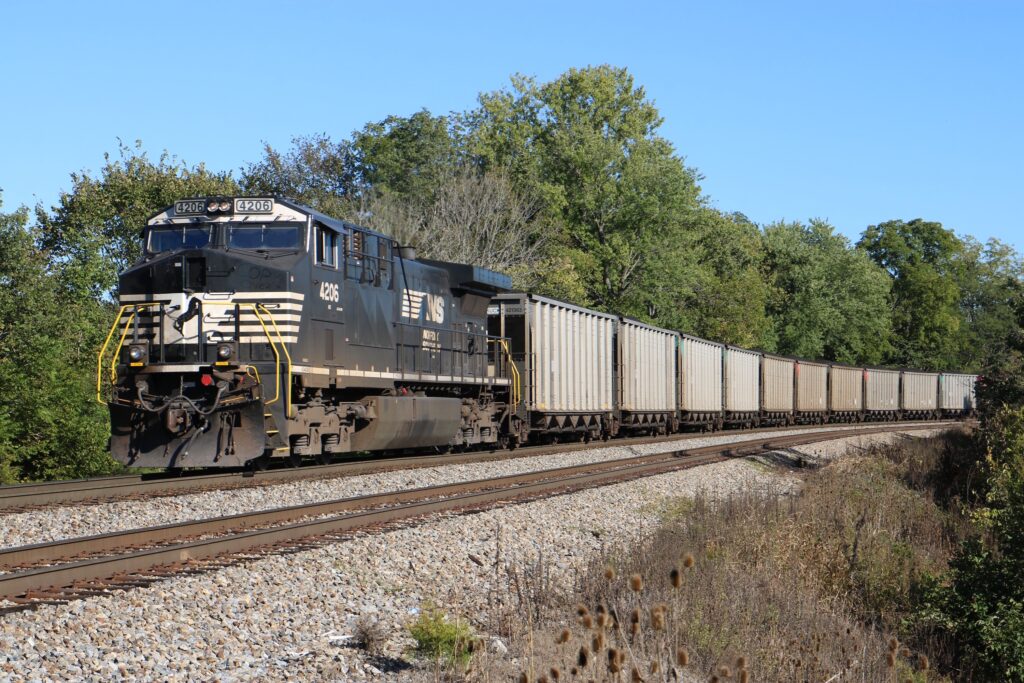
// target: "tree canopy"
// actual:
[[568, 185]]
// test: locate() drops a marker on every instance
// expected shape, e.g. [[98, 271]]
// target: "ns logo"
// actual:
[[417, 305]]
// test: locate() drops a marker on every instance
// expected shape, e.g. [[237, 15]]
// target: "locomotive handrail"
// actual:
[[110, 335], [287, 355], [256, 308]]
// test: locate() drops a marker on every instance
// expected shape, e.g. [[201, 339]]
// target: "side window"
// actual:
[[384, 262], [354, 256], [326, 247], [369, 256]]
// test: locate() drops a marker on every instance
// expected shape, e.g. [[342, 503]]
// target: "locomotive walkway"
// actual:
[[69, 569]]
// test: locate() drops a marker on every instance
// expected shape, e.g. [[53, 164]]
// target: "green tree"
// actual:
[[924, 260], [828, 300], [50, 423], [316, 171], [587, 144], [94, 231]]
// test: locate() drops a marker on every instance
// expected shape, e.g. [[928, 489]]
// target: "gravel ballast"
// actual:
[[289, 617], [41, 526]]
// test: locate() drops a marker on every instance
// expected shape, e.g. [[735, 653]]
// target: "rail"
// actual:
[[259, 311]]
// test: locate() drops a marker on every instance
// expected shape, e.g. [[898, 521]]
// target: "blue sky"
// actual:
[[856, 112]]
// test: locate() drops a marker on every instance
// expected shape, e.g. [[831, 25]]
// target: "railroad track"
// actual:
[[22, 497], [96, 565]]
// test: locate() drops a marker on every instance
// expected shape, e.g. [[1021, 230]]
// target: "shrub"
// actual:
[[440, 639]]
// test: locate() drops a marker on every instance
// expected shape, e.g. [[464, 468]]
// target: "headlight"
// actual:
[[224, 351], [136, 353]]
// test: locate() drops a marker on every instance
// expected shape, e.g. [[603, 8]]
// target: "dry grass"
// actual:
[[758, 587]]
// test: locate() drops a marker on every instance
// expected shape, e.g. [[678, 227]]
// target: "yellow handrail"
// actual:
[[106, 343], [287, 355], [256, 308], [516, 379]]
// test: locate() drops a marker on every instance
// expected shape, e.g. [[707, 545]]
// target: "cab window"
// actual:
[[265, 236], [171, 238], [326, 247]]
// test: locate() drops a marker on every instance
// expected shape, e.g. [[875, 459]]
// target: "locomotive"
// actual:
[[255, 328]]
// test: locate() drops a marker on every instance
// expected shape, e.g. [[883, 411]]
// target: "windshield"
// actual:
[[178, 237], [265, 236]]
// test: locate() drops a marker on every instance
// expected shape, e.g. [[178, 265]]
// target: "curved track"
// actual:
[[86, 491], [74, 568]]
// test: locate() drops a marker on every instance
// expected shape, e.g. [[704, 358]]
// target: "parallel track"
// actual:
[[139, 557], [87, 491]]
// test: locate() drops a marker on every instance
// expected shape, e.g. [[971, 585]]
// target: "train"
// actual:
[[256, 329]]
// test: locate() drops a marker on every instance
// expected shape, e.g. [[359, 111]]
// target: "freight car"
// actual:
[[699, 364], [777, 389], [919, 394], [956, 394], [565, 356], [255, 328], [811, 400], [845, 393]]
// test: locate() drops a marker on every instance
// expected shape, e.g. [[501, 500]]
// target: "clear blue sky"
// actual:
[[857, 112]]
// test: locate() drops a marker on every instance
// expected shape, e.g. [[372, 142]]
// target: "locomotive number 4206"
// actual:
[[254, 206], [329, 291]]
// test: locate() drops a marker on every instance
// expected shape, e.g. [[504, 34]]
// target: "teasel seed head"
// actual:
[[741, 662], [587, 621], [636, 582], [597, 644], [609, 573], [890, 660], [922, 662], [675, 577], [744, 676], [583, 657], [555, 673], [581, 609], [564, 636], [688, 560], [682, 656], [725, 672]]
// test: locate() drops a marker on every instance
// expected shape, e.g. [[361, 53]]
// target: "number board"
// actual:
[[254, 206], [190, 207]]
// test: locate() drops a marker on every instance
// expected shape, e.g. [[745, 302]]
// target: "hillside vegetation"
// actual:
[[567, 185]]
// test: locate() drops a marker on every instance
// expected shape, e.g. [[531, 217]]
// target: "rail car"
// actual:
[[256, 328]]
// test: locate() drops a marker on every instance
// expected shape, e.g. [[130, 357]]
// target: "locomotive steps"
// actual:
[[115, 560]]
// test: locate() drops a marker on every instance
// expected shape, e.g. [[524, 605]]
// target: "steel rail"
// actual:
[[19, 496], [362, 511]]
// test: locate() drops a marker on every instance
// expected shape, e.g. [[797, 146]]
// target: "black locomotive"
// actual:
[[255, 327]]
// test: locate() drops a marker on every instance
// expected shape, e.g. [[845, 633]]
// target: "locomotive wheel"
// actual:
[[294, 459], [323, 458]]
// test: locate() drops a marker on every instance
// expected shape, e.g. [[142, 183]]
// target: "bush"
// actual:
[[981, 603], [442, 640]]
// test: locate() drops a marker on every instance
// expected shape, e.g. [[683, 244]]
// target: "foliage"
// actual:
[[981, 600], [440, 639], [50, 423], [923, 259], [569, 186], [93, 232], [828, 300], [316, 171]]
